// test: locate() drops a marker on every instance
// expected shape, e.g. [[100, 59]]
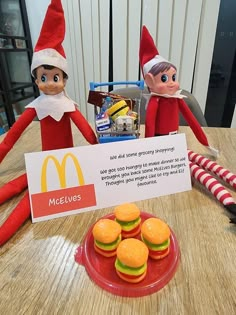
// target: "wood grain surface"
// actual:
[[38, 274]]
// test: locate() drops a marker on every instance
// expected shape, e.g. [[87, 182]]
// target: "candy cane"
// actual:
[[213, 167], [214, 187], [211, 184]]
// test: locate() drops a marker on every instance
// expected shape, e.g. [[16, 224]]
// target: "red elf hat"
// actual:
[[148, 53], [49, 50]]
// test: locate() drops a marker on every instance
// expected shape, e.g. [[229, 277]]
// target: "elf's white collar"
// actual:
[[52, 105], [176, 95]]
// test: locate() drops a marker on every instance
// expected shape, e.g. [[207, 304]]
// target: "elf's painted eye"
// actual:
[[164, 78], [44, 78], [174, 77], [56, 78]]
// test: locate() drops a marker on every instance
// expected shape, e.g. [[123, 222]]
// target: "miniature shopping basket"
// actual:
[[117, 117]]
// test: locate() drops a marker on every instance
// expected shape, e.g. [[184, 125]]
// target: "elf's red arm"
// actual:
[[193, 123], [151, 113], [83, 126], [16, 131], [18, 216]]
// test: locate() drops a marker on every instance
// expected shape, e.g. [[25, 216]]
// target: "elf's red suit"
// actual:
[[162, 118], [54, 109], [54, 135]]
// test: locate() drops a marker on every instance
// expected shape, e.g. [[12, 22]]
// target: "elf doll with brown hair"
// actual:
[[165, 103], [53, 108], [162, 118]]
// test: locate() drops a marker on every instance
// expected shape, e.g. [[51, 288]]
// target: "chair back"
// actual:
[[195, 108]]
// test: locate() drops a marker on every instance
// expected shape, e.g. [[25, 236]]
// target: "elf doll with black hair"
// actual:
[[162, 117], [53, 108]]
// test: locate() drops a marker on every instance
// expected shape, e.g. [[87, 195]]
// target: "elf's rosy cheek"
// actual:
[[161, 88]]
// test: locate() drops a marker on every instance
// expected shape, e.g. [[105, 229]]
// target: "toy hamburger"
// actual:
[[156, 235], [128, 216], [107, 236], [131, 261]]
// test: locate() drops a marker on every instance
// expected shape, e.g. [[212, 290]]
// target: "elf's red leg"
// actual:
[[18, 216], [13, 188]]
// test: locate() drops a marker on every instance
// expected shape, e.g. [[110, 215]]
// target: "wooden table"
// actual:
[[38, 274]]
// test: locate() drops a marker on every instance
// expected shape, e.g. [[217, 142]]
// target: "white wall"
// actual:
[[184, 34], [36, 11]]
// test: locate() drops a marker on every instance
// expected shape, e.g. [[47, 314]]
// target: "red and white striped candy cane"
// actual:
[[211, 184], [213, 167]]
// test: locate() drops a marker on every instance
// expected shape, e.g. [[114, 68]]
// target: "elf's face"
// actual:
[[163, 83], [50, 81]]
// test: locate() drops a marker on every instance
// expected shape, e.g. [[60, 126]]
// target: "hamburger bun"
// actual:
[[107, 236], [155, 233], [128, 216], [131, 261]]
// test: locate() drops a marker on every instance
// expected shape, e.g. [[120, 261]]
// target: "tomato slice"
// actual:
[[132, 279], [106, 253], [132, 233], [158, 254], [128, 276]]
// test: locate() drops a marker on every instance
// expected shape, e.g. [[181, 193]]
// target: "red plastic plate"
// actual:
[[102, 270]]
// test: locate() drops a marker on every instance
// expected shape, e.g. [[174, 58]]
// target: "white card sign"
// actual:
[[69, 181]]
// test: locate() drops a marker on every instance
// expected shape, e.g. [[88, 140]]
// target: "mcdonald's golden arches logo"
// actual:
[[61, 170], [65, 198]]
